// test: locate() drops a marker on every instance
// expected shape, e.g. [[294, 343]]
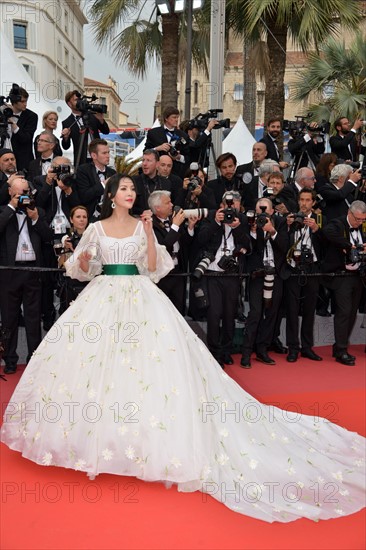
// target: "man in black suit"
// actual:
[[249, 171], [343, 144], [81, 129], [269, 244], [273, 129], [306, 246], [304, 177], [164, 169], [164, 138], [57, 200], [218, 239], [228, 180], [149, 181], [23, 126], [306, 149], [255, 189], [340, 193], [91, 177], [8, 167], [198, 140], [46, 144], [22, 230], [281, 195], [343, 236], [170, 232]]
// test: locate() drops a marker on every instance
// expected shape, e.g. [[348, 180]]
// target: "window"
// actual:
[[66, 59], [238, 92], [195, 92], [59, 52], [20, 36], [102, 100], [66, 27]]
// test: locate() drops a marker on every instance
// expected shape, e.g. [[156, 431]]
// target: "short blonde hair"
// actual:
[[47, 114]]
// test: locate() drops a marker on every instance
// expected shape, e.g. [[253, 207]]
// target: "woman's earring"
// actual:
[[113, 205]]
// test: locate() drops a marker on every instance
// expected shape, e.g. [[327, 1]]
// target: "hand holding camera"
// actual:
[[178, 217]]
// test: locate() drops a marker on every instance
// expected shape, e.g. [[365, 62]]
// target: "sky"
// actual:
[[138, 96]]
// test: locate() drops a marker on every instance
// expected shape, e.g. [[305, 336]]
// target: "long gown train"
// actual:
[[122, 385]]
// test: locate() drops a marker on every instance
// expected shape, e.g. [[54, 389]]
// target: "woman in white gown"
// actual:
[[122, 385]]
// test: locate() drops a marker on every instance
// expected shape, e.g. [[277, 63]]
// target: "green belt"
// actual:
[[120, 269]]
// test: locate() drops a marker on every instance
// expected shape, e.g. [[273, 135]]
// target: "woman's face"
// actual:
[[126, 194], [79, 220], [50, 122], [201, 175]]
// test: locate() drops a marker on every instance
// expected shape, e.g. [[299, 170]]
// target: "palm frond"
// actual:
[[129, 167], [107, 16]]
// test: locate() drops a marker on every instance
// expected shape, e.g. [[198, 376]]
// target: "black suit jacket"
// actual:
[[271, 149], [22, 141], [4, 189], [88, 185], [144, 187], [279, 247], [95, 127], [336, 199], [9, 235], [46, 198], [157, 136], [337, 234], [169, 238], [35, 168], [339, 146], [303, 150], [220, 185]]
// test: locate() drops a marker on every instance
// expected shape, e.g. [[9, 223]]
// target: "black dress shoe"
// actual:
[[345, 359], [227, 359], [310, 354], [336, 354], [10, 369], [292, 356], [245, 362], [277, 346], [263, 357]]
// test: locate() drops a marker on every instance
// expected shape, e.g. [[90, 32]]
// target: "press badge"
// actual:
[[24, 248], [59, 224]]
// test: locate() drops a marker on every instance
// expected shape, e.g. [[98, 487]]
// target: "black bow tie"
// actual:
[[353, 229], [15, 116], [166, 223], [46, 160], [100, 173], [18, 211]]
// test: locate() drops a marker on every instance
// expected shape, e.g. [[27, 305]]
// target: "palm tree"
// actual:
[[143, 42], [338, 76], [307, 22]]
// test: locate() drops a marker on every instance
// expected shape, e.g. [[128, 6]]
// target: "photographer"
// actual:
[[57, 196], [343, 144], [273, 131], [169, 139], [281, 195], [171, 232], [148, 181], [223, 238], [23, 125], [79, 123], [306, 147], [345, 255], [46, 144], [269, 244], [23, 228], [304, 257], [198, 138], [255, 189], [196, 193], [340, 192], [8, 167], [228, 180], [91, 177]]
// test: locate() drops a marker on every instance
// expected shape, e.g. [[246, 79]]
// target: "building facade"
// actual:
[[107, 95], [47, 38]]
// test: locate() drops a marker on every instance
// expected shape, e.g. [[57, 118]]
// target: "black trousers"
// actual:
[[17, 288], [261, 321], [347, 297], [297, 289], [48, 282], [175, 288], [223, 294]]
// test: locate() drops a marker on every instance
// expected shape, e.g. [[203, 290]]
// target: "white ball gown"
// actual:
[[122, 385]]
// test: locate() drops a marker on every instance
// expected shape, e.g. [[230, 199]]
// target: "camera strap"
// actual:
[[226, 238], [23, 224]]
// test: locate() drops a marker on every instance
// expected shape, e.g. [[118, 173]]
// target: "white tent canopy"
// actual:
[[239, 142], [137, 153]]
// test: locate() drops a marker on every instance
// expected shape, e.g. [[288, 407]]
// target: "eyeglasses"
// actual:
[[308, 178], [360, 220], [43, 141]]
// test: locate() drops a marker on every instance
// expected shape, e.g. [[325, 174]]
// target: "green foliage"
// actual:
[[127, 167]]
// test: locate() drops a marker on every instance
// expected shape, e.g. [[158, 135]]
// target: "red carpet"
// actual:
[[51, 508]]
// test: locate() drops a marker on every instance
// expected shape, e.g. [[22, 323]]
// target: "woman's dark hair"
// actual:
[[110, 191], [188, 174], [323, 165]]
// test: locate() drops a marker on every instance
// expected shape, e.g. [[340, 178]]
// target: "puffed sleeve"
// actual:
[[89, 242], [164, 262]]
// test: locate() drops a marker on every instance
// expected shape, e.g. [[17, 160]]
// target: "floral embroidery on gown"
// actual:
[[122, 385]]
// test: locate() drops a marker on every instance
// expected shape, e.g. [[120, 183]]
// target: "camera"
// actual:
[[26, 200], [5, 111], [194, 182], [74, 238], [299, 127], [58, 247], [299, 221], [303, 257], [356, 255], [84, 104], [196, 213], [230, 213], [63, 173], [262, 218], [202, 267], [319, 202], [202, 119], [176, 145], [228, 262]]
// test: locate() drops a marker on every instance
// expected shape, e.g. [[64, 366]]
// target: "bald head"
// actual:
[[259, 152]]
